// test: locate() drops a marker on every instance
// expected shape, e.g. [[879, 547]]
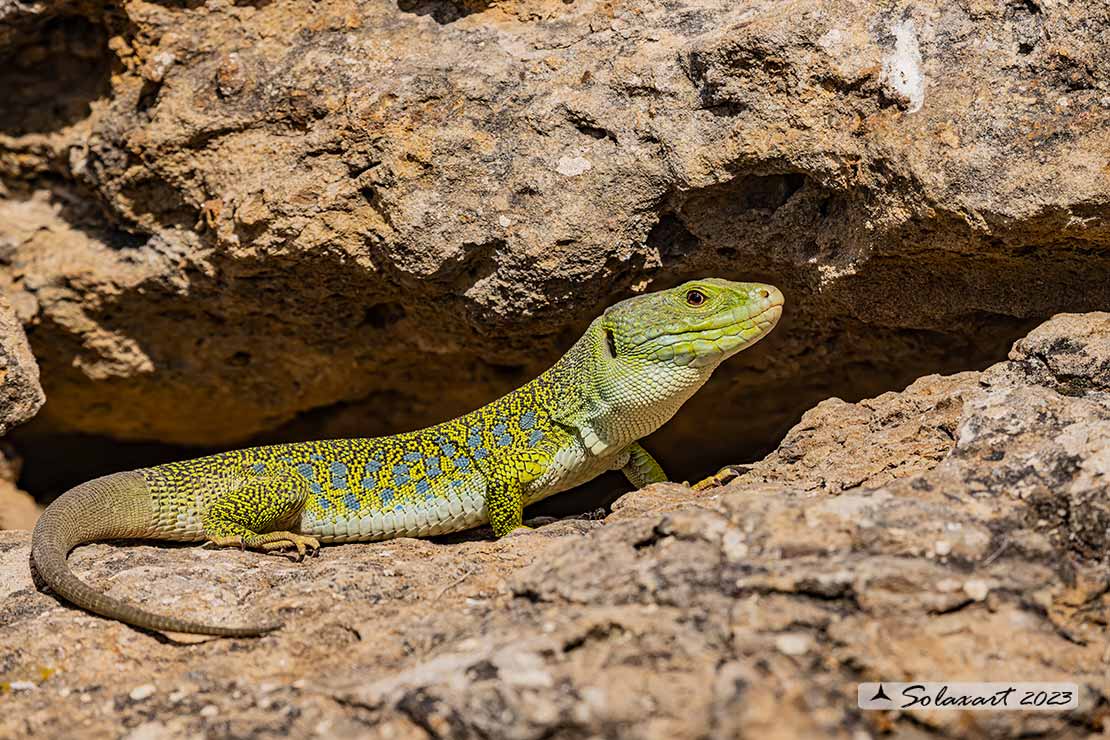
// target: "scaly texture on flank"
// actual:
[[630, 372]]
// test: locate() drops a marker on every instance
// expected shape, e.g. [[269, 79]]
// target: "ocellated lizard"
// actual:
[[631, 371]]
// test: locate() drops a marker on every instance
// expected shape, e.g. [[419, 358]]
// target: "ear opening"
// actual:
[[611, 343]]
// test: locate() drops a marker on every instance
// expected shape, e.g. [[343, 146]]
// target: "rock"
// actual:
[[18, 509], [1070, 354], [21, 395], [140, 693], [752, 609], [234, 221]]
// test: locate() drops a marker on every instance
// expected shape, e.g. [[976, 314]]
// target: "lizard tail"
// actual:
[[111, 507]]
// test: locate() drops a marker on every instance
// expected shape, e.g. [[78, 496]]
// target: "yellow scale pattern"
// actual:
[[444, 478]]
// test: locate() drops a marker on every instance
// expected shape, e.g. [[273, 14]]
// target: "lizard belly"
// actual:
[[460, 507]]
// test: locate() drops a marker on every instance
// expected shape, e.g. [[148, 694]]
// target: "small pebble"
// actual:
[[942, 547], [142, 692], [977, 589], [573, 166], [793, 643], [210, 711], [948, 585]]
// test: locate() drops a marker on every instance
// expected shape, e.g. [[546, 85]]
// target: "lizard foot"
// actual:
[[721, 477], [270, 542], [277, 542], [519, 530]]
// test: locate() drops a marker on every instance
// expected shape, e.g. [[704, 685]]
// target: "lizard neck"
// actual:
[[613, 401]]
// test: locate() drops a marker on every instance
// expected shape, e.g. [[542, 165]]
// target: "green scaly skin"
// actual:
[[630, 372]]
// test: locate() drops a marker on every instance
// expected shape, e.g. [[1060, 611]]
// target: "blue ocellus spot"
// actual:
[[386, 496], [505, 440], [323, 502], [535, 438], [432, 468], [447, 449], [309, 474], [474, 439], [352, 502], [411, 456], [338, 475], [499, 429], [258, 468], [481, 453], [400, 474], [462, 463], [373, 466], [369, 484], [527, 420], [422, 486]]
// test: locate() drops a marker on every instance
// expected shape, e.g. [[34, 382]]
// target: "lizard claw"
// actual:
[[303, 544], [721, 477]]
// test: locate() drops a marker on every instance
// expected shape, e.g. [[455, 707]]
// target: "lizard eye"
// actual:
[[695, 298]]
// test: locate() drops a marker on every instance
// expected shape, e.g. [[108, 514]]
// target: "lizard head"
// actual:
[[645, 356], [693, 327]]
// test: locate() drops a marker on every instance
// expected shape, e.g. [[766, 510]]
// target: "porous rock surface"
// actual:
[[955, 530], [21, 397], [220, 216]]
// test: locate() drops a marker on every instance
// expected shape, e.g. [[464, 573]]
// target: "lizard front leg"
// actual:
[[253, 515], [641, 469], [505, 490], [505, 506]]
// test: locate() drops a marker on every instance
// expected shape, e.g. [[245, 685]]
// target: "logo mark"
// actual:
[[880, 694]]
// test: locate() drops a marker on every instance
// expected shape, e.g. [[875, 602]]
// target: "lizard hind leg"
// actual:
[[255, 515]]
